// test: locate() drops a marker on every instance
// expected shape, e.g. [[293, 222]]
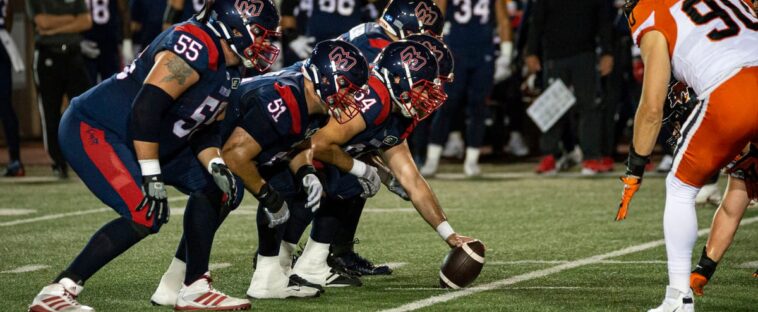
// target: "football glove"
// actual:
[[394, 186], [302, 46], [155, 200], [89, 49], [224, 179], [274, 206], [635, 168], [503, 61], [311, 185], [368, 177], [127, 51], [744, 168]]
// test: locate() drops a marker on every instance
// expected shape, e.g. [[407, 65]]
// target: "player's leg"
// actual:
[[476, 111], [48, 76], [270, 279], [108, 168], [724, 226], [312, 263], [590, 112], [8, 117], [707, 145], [550, 140], [445, 116]]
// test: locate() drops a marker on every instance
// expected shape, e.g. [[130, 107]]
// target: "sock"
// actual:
[[472, 155], [433, 153], [706, 266], [343, 240], [285, 255], [326, 222], [679, 230], [106, 244], [314, 254], [298, 222], [201, 219], [181, 250], [269, 239]]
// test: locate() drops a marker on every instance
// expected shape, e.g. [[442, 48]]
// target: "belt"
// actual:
[[64, 48]]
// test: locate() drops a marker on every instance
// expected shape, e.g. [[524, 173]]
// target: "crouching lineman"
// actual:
[[403, 90], [718, 58], [133, 124], [278, 112]]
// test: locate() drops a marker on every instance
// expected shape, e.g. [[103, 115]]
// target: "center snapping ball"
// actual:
[[462, 265]]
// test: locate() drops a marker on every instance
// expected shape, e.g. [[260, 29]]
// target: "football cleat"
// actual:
[[516, 145], [269, 282], [676, 301], [200, 296], [59, 296], [547, 166], [171, 282], [14, 169], [353, 264], [341, 279], [708, 194]]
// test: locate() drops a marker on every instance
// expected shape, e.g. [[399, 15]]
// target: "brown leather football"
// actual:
[[462, 265]]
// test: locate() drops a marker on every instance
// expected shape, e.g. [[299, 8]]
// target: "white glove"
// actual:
[[302, 46], [503, 62], [368, 177], [89, 48], [314, 189], [127, 51]]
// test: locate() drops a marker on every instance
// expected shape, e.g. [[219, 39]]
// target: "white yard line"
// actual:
[[748, 265], [218, 266], [27, 268], [509, 288], [517, 262], [540, 273], [4, 212], [70, 214]]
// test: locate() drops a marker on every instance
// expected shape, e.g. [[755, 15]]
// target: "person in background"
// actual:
[[8, 116], [146, 21], [180, 10], [110, 27], [58, 63], [562, 40]]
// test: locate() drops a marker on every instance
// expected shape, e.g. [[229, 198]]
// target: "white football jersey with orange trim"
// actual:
[[709, 40]]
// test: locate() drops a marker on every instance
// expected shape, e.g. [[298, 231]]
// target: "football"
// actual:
[[462, 265]]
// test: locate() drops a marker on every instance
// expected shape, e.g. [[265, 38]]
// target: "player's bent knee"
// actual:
[[141, 230]]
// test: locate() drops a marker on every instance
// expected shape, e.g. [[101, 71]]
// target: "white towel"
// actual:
[[10, 47]]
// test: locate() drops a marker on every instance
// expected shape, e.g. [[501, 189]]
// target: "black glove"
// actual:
[[225, 181], [274, 206], [155, 199]]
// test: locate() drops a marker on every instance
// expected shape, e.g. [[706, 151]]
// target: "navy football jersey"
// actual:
[[384, 129], [109, 104], [369, 38], [273, 110], [328, 19], [149, 14], [106, 22], [3, 12], [470, 22]]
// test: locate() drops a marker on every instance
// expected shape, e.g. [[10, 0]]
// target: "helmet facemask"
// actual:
[[339, 95], [262, 53], [417, 100]]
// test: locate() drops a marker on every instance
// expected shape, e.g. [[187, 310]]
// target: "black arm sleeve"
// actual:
[[206, 137], [149, 105]]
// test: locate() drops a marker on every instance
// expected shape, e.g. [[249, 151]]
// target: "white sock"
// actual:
[[285, 255], [472, 155], [680, 231], [177, 267], [314, 255], [433, 152], [455, 136]]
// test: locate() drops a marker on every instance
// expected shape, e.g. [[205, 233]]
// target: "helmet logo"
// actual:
[[249, 7], [437, 53], [425, 14], [412, 58], [342, 59]]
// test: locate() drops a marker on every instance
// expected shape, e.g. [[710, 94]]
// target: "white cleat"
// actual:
[[171, 282], [516, 145], [59, 296], [471, 164], [270, 282], [676, 301], [454, 146], [710, 194], [312, 267], [666, 163], [200, 296]]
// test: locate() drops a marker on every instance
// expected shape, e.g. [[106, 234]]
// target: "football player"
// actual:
[[742, 187], [110, 28], [403, 90], [131, 126], [470, 27], [180, 10], [712, 47]]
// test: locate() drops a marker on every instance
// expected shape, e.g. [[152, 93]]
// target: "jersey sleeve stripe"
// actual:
[[378, 43], [207, 41], [376, 85], [289, 99]]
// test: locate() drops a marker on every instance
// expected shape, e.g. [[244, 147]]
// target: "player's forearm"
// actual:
[[647, 125], [46, 21], [244, 167], [304, 158], [334, 155], [504, 23], [207, 155], [81, 23], [426, 203], [146, 150]]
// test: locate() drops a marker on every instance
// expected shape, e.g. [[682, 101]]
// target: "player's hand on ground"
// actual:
[[155, 200], [456, 240], [274, 206], [394, 186], [225, 181], [368, 177]]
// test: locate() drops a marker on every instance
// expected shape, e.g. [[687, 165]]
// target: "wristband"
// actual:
[[150, 167], [215, 160], [304, 171], [359, 168], [636, 163], [445, 230]]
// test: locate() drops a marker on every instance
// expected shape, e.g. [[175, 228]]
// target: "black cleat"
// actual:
[[352, 263], [296, 280], [14, 169], [342, 279]]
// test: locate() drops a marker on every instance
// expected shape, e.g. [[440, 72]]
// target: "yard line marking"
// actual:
[[394, 265], [393, 210], [515, 262], [70, 214], [219, 266], [748, 265], [541, 273], [509, 288], [27, 268], [236, 212], [15, 212]]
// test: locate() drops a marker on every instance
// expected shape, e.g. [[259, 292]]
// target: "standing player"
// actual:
[[110, 27], [7, 114], [146, 21], [403, 91], [471, 25], [712, 47], [178, 11], [135, 123], [326, 19]]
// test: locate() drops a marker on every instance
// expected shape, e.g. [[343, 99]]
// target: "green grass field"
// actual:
[[535, 230]]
